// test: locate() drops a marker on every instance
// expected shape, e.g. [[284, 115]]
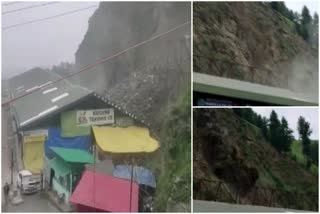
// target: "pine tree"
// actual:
[[305, 23], [286, 136], [315, 31], [274, 130], [264, 127], [304, 133]]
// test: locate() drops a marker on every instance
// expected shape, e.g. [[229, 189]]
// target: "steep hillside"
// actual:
[[229, 149], [151, 82], [116, 26], [250, 41]]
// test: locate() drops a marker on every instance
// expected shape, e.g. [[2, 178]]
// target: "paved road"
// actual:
[[212, 206], [5, 149], [32, 203]]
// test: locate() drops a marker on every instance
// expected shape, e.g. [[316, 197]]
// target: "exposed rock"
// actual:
[[252, 42]]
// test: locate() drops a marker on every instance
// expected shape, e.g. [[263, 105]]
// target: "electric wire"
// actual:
[[100, 61], [48, 18], [28, 8]]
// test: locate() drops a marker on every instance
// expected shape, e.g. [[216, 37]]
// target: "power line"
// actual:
[[100, 61], [27, 8], [12, 3], [48, 18]]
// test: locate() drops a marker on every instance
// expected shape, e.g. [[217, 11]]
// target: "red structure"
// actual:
[[98, 192]]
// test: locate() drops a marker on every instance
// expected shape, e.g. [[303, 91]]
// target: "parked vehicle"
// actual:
[[28, 182]]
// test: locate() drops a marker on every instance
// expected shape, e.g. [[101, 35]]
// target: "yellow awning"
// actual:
[[124, 140]]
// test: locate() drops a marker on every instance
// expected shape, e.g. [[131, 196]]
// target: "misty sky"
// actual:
[[48, 43], [44, 43], [292, 115]]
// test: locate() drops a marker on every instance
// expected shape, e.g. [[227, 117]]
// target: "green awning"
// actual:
[[69, 127], [73, 155]]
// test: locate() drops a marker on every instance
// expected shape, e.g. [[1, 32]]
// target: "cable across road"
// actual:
[[12, 3], [48, 18], [28, 8], [100, 61]]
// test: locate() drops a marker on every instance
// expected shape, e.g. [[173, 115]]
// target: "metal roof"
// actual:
[[29, 80], [45, 101], [249, 91]]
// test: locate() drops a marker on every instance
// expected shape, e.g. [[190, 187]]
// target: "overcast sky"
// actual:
[[292, 115], [49, 42], [44, 43]]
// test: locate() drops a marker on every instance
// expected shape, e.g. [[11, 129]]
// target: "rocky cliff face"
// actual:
[[229, 149], [115, 26], [250, 41], [148, 82], [146, 79]]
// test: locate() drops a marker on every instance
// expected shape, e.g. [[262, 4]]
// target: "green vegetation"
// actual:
[[275, 131], [174, 182], [305, 25], [297, 154], [281, 137]]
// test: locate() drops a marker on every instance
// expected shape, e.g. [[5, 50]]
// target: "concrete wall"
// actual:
[[61, 189]]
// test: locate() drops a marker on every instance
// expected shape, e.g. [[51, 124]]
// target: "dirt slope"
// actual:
[[230, 149], [252, 42]]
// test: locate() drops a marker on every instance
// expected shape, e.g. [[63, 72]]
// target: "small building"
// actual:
[[66, 169], [97, 192]]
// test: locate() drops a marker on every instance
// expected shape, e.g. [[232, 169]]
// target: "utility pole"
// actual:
[[11, 166]]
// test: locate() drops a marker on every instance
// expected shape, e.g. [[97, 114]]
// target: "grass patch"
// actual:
[[296, 154], [174, 182]]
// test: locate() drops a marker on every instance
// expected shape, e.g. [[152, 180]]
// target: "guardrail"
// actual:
[[217, 190]]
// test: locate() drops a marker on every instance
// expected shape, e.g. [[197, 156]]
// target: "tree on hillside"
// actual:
[[286, 136], [314, 156], [264, 127], [304, 134], [306, 21], [315, 31], [274, 130]]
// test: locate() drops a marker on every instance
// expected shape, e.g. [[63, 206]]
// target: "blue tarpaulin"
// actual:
[[140, 174], [55, 140]]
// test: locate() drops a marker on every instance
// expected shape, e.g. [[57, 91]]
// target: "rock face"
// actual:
[[115, 26], [144, 79], [229, 149], [252, 42]]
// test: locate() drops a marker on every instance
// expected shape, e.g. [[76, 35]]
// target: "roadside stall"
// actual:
[[98, 192], [66, 169], [126, 145]]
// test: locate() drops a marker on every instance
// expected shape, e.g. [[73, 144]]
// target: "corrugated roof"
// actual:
[[73, 155], [249, 91], [46, 101], [30, 79]]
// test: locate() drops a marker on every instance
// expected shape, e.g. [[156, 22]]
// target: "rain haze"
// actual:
[[45, 43], [292, 115]]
